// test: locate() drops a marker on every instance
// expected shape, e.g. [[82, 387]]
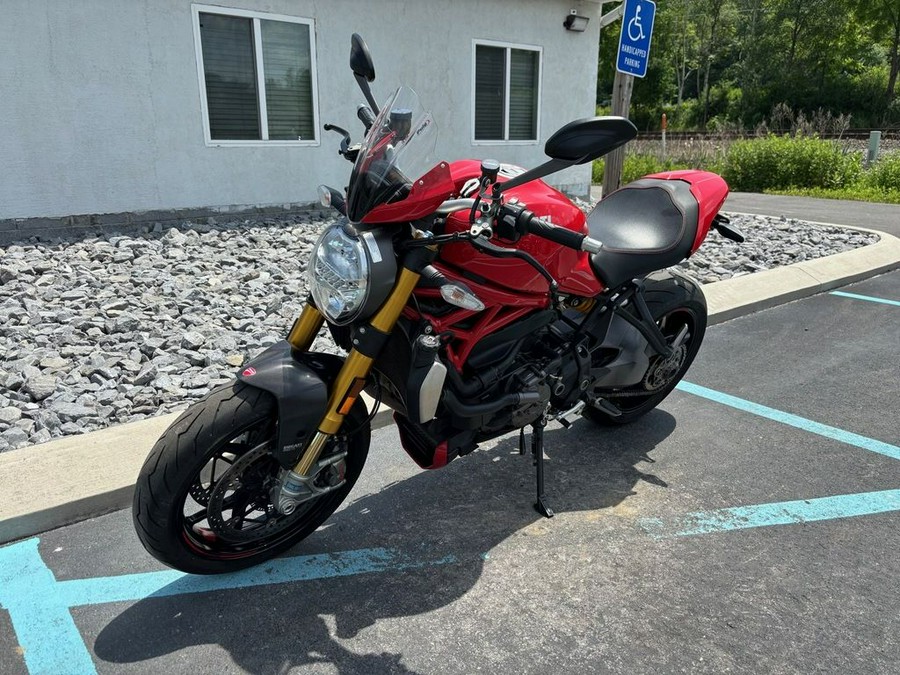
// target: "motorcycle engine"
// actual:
[[551, 363]]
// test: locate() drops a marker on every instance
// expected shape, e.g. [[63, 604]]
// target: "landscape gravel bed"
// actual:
[[114, 329]]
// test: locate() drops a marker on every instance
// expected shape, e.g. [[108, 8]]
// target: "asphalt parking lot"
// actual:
[[750, 524]]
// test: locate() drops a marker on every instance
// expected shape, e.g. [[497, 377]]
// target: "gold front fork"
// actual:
[[348, 384], [305, 328]]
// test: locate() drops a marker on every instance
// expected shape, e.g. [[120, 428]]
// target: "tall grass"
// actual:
[[792, 165], [783, 162]]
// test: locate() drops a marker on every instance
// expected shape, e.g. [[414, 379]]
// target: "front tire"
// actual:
[[202, 502], [674, 301]]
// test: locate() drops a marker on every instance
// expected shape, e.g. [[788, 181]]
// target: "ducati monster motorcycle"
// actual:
[[471, 298]]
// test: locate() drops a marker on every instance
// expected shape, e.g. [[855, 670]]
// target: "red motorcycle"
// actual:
[[472, 298]]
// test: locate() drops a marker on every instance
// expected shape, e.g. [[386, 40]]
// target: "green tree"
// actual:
[[734, 61], [709, 24], [883, 16]]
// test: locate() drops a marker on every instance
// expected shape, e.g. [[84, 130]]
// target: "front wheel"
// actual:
[[675, 303], [203, 502]]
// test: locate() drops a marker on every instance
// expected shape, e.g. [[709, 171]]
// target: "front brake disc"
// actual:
[[243, 491]]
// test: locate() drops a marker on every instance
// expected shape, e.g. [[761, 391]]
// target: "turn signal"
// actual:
[[461, 297], [324, 195]]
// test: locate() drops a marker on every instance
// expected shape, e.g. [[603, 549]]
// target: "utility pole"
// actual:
[[621, 104]]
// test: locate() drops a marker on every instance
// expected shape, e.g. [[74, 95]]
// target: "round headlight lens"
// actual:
[[339, 275]]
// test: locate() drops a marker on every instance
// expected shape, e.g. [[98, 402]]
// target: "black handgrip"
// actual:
[[366, 116], [559, 235], [515, 220]]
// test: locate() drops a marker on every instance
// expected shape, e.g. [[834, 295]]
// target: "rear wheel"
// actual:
[[676, 303], [203, 502]]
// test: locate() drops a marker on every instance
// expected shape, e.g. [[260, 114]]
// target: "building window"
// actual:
[[507, 91], [257, 77]]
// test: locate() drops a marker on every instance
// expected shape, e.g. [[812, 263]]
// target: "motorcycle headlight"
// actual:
[[349, 274]]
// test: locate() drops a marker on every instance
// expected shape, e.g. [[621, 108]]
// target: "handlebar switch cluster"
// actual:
[[513, 221]]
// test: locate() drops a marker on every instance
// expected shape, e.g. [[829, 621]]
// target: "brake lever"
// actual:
[[346, 150]]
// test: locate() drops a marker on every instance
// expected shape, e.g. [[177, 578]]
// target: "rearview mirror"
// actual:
[[578, 142], [360, 59], [584, 140]]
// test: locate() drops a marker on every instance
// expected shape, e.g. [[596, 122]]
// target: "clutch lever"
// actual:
[[347, 151]]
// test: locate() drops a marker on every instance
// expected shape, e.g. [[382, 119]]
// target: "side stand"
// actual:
[[537, 450]]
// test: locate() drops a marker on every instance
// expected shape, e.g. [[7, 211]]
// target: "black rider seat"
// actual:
[[647, 225]]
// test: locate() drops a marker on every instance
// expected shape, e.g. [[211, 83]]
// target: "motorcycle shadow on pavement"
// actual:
[[463, 510]]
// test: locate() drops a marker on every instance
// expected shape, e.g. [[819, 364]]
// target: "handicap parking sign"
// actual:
[[634, 41]]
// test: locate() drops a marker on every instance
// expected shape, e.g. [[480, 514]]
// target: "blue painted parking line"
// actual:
[[868, 298], [39, 605], [777, 513], [796, 421], [781, 513]]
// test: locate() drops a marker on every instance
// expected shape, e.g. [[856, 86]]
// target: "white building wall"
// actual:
[[101, 107]]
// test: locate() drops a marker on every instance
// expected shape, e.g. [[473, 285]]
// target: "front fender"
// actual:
[[300, 383]]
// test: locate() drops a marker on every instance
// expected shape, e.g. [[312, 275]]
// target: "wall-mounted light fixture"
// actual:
[[576, 23]]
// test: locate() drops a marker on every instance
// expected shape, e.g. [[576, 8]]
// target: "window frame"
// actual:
[[256, 17], [508, 46]]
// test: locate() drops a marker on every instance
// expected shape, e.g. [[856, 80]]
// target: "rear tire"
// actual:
[[177, 484], [674, 301]]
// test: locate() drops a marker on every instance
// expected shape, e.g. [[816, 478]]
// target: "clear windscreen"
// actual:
[[397, 151]]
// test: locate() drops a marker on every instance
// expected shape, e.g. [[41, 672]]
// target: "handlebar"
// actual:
[[516, 220], [559, 235], [453, 205]]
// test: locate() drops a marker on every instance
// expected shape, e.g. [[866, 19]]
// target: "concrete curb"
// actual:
[[78, 477], [46, 486], [736, 297]]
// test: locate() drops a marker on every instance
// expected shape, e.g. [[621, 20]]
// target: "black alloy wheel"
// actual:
[[676, 303], [203, 502]]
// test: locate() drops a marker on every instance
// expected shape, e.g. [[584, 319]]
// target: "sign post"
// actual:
[[665, 125], [631, 62], [614, 161]]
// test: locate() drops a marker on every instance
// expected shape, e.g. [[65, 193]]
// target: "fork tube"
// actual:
[[305, 328], [356, 367]]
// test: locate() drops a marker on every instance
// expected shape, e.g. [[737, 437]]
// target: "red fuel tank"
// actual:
[[570, 268]]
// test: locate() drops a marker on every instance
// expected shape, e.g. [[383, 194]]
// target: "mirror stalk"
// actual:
[[544, 169], [367, 92]]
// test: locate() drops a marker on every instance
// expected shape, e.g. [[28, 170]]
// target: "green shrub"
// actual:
[[781, 162], [884, 174], [597, 171], [637, 166]]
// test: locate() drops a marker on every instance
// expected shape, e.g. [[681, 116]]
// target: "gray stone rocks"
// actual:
[[770, 242], [113, 329], [40, 386]]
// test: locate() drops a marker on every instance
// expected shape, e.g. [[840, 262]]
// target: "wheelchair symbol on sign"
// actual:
[[635, 29]]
